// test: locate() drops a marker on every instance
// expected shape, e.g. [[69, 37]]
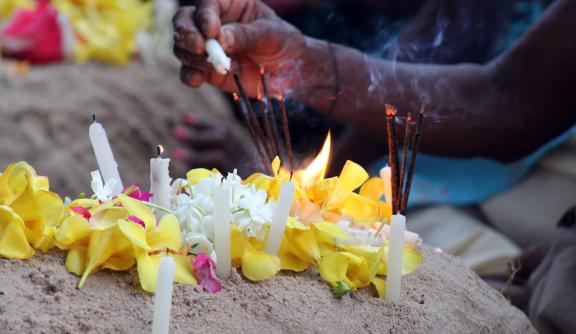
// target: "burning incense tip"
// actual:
[[390, 111], [280, 98], [235, 96]]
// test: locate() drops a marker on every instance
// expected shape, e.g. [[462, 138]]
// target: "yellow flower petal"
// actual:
[[74, 230], [76, 260], [148, 267], [333, 267], [237, 245], [351, 177], [135, 233], [106, 217], [139, 209], [331, 229], [364, 210], [184, 272], [380, 285], [166, 235], [289, 261], [195, 175], [13, 241], [259, 266], [120, 261], [14, 181], [373, 189]]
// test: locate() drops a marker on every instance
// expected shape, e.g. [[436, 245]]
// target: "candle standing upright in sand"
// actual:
[[395, 250], [163, 296], [280, 218], [222, 231], [160, 181], [104, 156]]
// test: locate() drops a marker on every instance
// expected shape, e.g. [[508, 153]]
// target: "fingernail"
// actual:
[[179, 132], [190, 119], [180, 154]]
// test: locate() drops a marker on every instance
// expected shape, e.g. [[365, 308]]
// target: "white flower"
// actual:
[[103, 192], [200, 244], [251, 210]]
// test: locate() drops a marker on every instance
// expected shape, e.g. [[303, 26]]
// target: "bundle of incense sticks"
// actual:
[[401, 179], [263, 126]]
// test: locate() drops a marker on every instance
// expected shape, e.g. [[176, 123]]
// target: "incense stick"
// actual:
[[415, 146], [286, 129], [251, 113], [244, 114], [405, 149], [392, 154], [267, 130], [270, 114]]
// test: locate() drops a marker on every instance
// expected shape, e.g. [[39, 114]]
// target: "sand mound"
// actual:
[[46, 114], [443, 296]]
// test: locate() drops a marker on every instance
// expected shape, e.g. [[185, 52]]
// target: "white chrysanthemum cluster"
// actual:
[[250, 210]]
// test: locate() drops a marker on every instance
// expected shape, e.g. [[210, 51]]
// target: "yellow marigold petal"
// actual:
[[333, 267], [134, 232], [166, 235], [139, 209], [13, 241], [351, 177], [380, 286], [259, 266], [373, 189], [76, 260], [195, 175], [73, 230]]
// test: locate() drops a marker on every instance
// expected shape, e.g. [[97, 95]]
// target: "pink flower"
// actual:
[[82, 212], [135, 192], [205, 273], [34, 35]]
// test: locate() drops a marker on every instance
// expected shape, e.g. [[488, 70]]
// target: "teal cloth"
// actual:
[[467, 181]]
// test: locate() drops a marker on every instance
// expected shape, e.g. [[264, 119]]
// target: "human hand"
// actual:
[[210, 144], [248, 30]]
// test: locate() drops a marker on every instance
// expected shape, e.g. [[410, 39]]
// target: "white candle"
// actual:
[[160, 182], [217, 57], [163, 296], [280, 218], [395, 249], [386, 176], [104, 156], [222, 231]]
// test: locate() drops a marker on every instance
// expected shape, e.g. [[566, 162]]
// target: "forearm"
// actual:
[[458, 107]]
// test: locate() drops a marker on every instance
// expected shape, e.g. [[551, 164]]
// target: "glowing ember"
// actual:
[[316, 170], [390, 111]]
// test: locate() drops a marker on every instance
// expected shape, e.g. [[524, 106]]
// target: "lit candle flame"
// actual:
[[316, 170], [160, 150]]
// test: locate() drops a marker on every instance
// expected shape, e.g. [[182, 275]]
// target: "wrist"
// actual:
[[316, 76]]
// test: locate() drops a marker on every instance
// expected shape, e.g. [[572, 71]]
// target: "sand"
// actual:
[[44, 118], [442, 296]]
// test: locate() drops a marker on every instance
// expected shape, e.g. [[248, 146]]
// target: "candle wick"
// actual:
[[94, 117], [159, 150], [291, 174]]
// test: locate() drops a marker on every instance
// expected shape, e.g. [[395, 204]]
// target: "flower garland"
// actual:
[[332, 227]]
